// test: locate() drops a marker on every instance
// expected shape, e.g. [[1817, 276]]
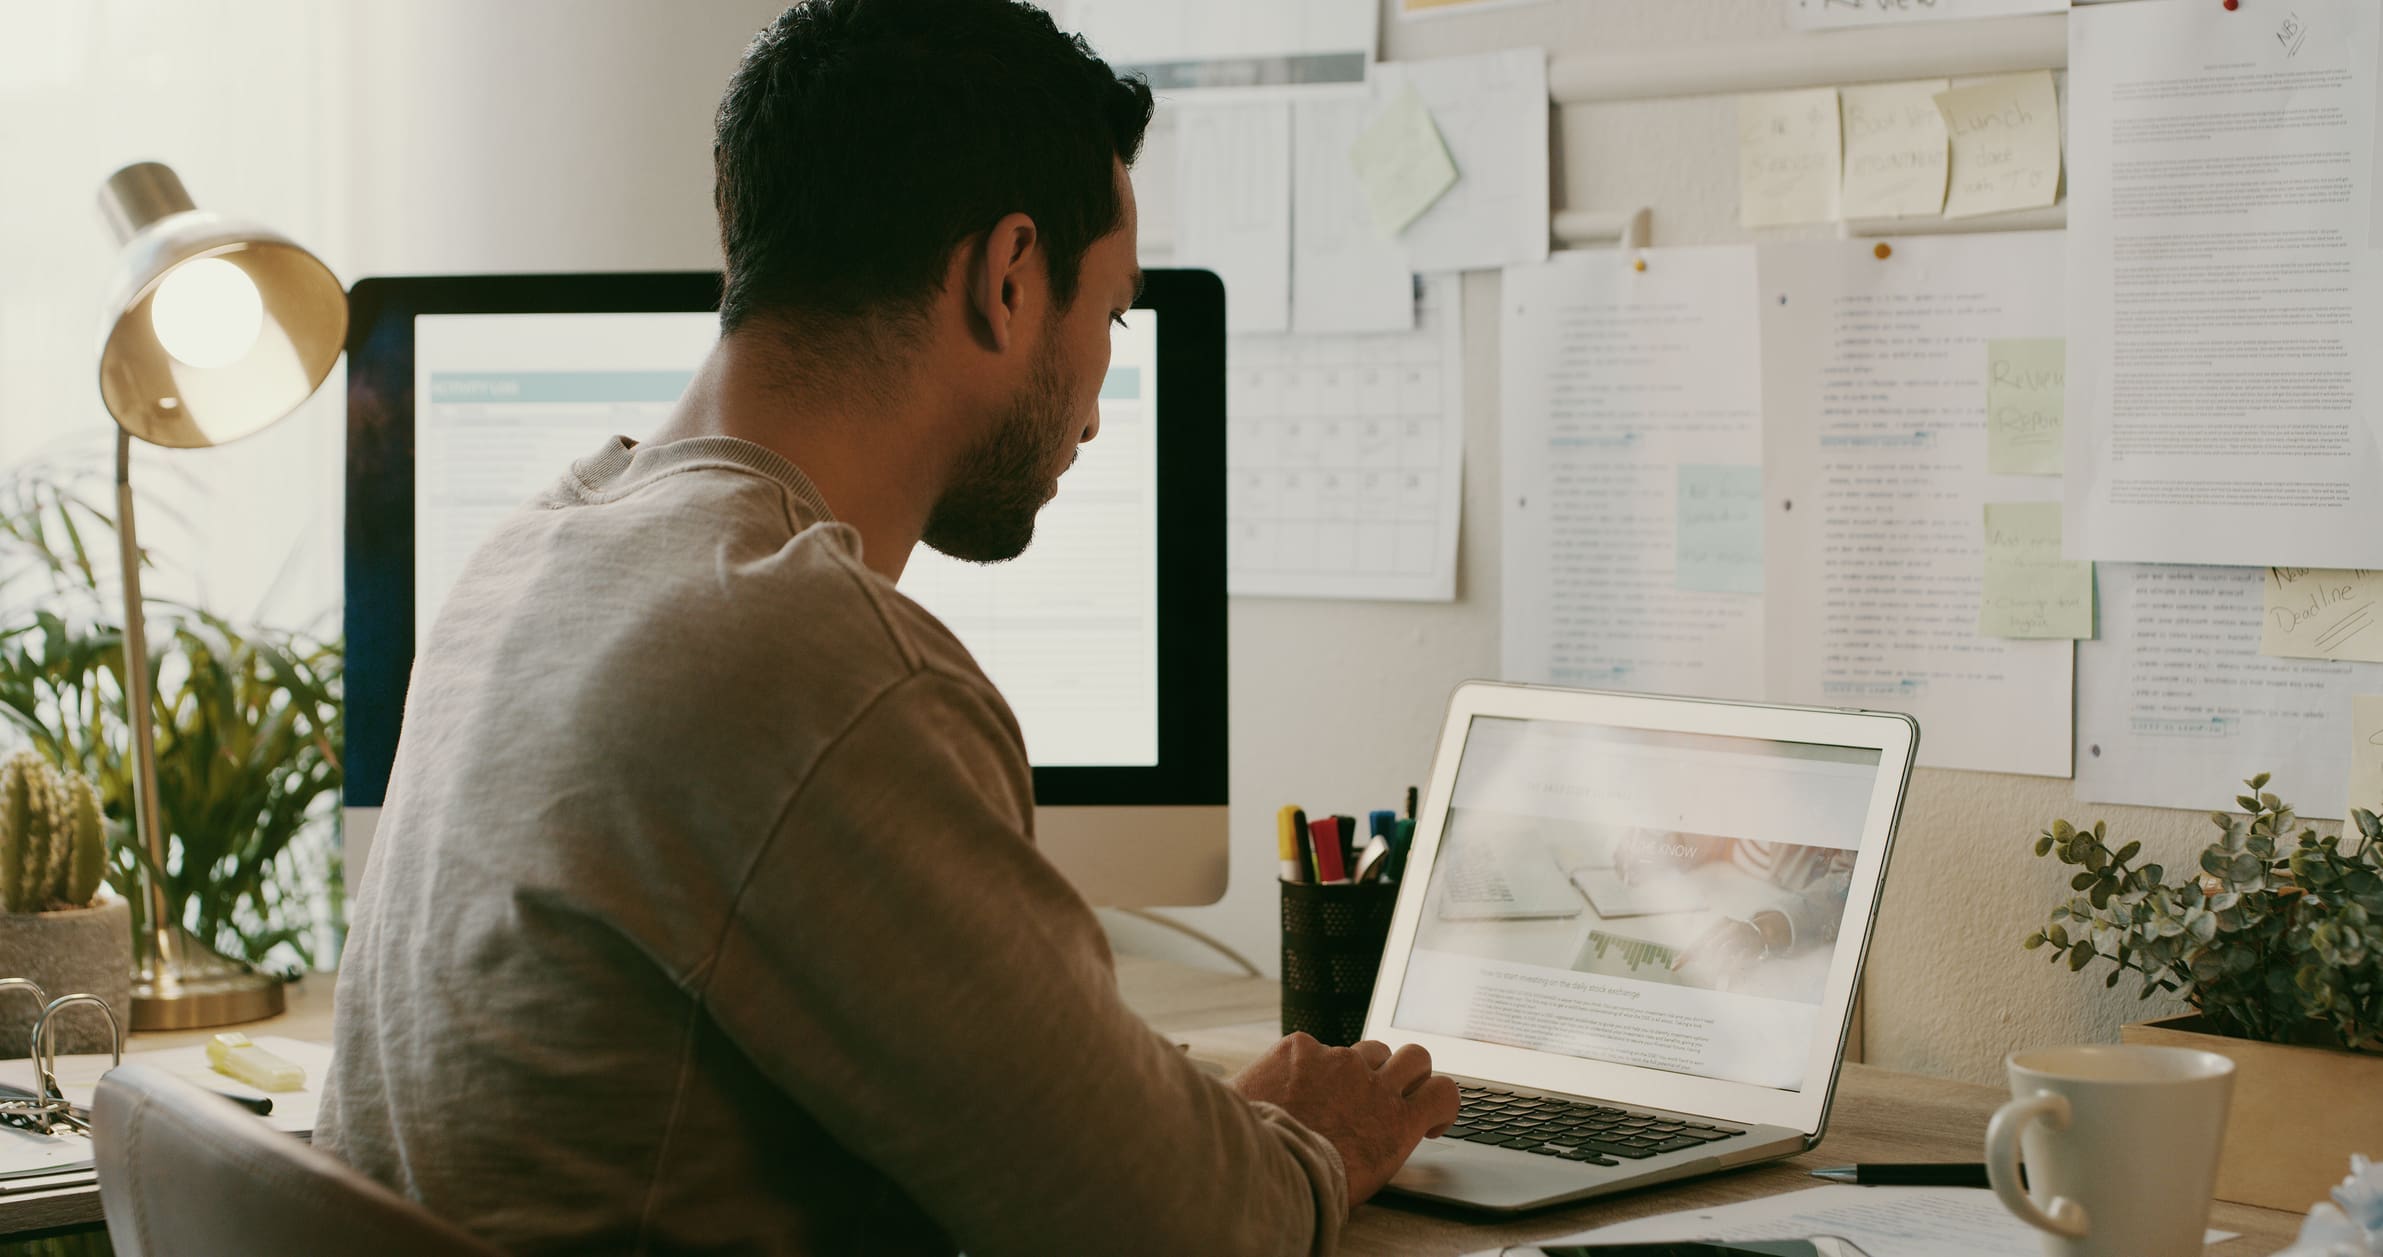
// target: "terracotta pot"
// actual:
[[77, 951], [2297, 1115]]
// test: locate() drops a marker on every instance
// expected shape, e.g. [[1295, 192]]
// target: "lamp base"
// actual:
[[205, 989]]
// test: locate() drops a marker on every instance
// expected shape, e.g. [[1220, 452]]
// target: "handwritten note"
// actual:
[[1788, 158], [2366, 757], [2005, 135], [1720, 529], [1402, 163], [2030, 590], [2026, 399], [2323, 613], [1894, 149]]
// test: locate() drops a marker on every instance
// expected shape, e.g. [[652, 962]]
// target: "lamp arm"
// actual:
[[165, 941]]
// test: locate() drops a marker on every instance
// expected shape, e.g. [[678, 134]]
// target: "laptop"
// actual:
[[1688, 1012]]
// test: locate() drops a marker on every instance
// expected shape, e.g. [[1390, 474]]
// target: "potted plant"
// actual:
[[2276, 940], [54, 928]]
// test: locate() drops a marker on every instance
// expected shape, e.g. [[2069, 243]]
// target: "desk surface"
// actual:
[[1880, 1115]]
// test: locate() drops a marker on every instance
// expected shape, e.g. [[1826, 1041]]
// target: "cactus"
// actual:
[[53, 849]]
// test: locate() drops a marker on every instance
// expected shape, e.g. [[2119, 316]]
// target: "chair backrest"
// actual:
[[184, 1171]]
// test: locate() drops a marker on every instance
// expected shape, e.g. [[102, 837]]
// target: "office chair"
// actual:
[[182, 1171]]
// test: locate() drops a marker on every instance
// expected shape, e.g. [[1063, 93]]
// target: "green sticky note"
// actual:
[[1402, 163], [1720, 530], [2030, 590], [2026, 404]]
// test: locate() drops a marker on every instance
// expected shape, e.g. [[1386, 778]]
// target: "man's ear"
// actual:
[[1003, 275]]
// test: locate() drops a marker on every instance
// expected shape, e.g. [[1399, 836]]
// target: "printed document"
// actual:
[[1874, 406], [2366, 756], [1233, 206], [2222, 366], [2175, 704], [1824, 14], [1632, 452], [1345, 277], [1491, 111], [1187, 48], [1344, 457]]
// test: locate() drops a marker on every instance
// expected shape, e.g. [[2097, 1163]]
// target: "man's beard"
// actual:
[[987, 515]]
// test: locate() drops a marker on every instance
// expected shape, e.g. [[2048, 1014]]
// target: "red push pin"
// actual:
[[2232, 5]]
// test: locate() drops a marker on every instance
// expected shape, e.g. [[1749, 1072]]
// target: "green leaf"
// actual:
[[2062, 831], [2257, 783], [2080, 956], [2127, 853], [2033, 940], [2082, 880], [2043, 845], [2249, 803]]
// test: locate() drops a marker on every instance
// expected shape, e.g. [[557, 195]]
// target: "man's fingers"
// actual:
[[1372, 1051], [1406, 1068], [1435, 1101]]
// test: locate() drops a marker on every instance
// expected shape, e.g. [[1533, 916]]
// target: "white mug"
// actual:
[[2121, 1145]]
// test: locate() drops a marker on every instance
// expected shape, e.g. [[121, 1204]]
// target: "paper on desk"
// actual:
[[1233, 206], [1401, 163], [1491, 111], [2366, 754], [1344, 459], [1881, 1221], [2223, 302], [2323, 613], [293, 1111], [1894, 149], [2005, 139], [1788, 151], [26, 1154], [2030, 590], [2175, 704], [1874, 410], [1344, 276], [2026, 400], [1621, 390]]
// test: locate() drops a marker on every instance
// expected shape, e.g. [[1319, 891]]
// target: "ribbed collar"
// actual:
[[623, 465]]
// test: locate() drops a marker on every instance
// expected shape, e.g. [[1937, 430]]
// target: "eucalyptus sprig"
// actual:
[[2279, 936]]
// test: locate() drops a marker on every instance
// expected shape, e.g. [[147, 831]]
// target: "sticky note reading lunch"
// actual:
[[1894, 149], [1788, 169], [2366, 757], [2030, 590], [1402, 163], [2026, 398], [2005, 137], [2323, 613], [1720, 530]]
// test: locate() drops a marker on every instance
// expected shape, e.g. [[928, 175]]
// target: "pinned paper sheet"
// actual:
[[2366, 756], [1824, 14], [2030, 590], [2026, 397], [1720, 533], [1895, 154], [2323, 613], [1233, 206], [1344, 277], [1402, 163], [1491, 111], [2005, 135], [1788, 169]]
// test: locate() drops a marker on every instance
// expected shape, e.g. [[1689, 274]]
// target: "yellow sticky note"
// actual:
[[2030, 590], [2366, 757], [1402, 163], [2026, 398], [1895, 155], [1788, 169], [2323, 613], [2005, 137]]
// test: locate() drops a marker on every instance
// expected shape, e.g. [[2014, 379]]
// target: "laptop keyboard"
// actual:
[[1597, 1134]]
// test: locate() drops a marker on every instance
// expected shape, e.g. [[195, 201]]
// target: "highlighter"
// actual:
[[233, 1055], [1287, 826]]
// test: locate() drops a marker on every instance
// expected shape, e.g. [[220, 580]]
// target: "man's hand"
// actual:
[[1373, 1104]]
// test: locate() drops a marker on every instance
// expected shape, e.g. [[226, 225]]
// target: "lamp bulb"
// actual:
[[207, 313]]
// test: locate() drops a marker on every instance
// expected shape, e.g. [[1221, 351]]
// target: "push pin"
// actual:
[[1638, 264], [1882, 251], [2232, 5]]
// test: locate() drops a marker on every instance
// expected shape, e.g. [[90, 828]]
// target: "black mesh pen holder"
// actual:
[[1332, 947]]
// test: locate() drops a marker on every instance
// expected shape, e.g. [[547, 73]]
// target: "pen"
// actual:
[[1330, 870], [1348, 843], [1402, 840], [1956, 1174], [1306, 854], [1411, 801], [1286, 825]]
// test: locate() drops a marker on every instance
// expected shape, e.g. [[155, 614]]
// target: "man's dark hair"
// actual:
[[860, 141]]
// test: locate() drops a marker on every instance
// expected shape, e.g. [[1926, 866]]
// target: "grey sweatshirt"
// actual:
[[704, 916]]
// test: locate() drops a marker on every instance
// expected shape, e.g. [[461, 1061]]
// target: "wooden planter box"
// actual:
[[2297, 1114]]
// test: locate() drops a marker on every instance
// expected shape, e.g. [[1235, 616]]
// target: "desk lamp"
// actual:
[[216, 329]]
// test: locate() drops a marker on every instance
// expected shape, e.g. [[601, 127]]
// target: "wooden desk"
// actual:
[[1228, 1020]]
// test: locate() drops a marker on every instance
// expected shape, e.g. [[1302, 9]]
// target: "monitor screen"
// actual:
[[1641, 897], [1068, 631]]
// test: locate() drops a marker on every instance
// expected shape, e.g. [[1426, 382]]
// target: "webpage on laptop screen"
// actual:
[[1649, 898]]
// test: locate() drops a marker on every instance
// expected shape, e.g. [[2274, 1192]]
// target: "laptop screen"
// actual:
[[1659, 899]]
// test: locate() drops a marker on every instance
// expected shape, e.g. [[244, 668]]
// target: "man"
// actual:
[[704, 915]]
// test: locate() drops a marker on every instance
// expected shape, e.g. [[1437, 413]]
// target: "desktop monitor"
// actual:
[[468, 394]]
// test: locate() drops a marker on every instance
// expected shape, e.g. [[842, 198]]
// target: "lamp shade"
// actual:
[[216, 327]]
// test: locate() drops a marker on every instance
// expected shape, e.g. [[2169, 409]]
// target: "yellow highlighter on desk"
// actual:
[[233, 1055]]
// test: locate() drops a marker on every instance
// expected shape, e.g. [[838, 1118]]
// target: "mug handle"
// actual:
[[2002, 1163]]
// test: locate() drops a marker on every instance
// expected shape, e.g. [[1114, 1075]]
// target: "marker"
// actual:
[[1411, 801], [1307, 851], [1402, 840], [1348, 842], [1325, 837], [1286, 842]]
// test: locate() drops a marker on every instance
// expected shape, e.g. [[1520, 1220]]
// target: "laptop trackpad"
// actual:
[[1469, 1174]]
